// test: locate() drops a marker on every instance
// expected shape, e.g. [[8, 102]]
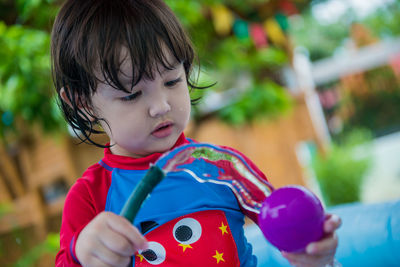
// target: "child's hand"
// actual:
[[108, 240], [319, 253]]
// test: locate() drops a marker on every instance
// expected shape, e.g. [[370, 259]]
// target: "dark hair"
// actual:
[[88, 36]]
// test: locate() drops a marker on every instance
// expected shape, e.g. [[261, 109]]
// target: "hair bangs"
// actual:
[[147, 35]]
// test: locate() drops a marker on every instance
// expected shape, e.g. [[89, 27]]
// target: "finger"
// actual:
[[109, 257], [96, 262], [116, 242], [125, 228], [332, 222], [325, 246]]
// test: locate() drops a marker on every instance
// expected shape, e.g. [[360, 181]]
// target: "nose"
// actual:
[[159, 105]]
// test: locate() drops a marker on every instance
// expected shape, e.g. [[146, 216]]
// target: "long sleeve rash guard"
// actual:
[[185, 222]]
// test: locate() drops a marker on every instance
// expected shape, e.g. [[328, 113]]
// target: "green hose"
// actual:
[[153, 176]]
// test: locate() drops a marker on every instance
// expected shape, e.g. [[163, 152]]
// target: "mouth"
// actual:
[[163, 129]]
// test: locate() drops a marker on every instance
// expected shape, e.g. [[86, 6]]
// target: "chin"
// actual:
[[167, 145], [165, 148]]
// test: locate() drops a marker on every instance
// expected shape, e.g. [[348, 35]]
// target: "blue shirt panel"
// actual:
[[180, 194]]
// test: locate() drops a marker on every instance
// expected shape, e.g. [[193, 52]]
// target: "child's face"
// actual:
[[150, 118]]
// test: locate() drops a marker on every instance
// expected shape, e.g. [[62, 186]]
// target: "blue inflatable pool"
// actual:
[[368, 237]]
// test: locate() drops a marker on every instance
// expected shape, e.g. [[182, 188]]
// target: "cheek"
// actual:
[[184, 106], [117, 121], [128, 132]]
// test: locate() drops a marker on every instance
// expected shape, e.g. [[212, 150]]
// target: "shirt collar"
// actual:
[[129, 163]]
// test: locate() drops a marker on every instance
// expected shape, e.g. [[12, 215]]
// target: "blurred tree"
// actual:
[[25, 78], [227, 58], [323, 40], [385, 21], [25, 88], [376, 109]]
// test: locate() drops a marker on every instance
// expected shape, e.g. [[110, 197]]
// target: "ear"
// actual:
[[84, 109], [64, 97]]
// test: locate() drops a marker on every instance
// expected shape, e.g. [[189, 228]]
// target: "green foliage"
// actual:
[[187, 11], [25, 78], [49, 246], [320, 40], [4, 209], [235, 55], [230, 57], [385, 22], [260, 100], [38, 13], [374, 106], [340, 172]]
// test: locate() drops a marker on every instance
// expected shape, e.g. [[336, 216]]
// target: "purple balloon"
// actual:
[[291, 217]]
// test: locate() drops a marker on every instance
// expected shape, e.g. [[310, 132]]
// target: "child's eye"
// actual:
[[131, 96], [173, 82]]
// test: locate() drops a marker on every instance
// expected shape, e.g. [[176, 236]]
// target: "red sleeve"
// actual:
[[86, 198], [77, 213], [257, 194]]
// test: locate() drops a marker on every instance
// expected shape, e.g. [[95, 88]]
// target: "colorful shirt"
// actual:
[[185, 222]]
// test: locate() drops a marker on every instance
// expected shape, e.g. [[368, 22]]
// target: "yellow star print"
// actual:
[[223, 228], [218, 256], [140, 256], [184, 247]]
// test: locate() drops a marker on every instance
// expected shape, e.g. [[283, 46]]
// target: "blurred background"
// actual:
[[308, 89]]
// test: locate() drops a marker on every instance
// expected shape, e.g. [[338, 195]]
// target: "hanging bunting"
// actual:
[[241, 29], [288, 7], [275, 33], [258, 35], [282, 21], [222, 19]]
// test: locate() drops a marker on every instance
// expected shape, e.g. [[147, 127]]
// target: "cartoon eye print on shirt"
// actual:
[[155, 254], [187, 231], [198, 239]]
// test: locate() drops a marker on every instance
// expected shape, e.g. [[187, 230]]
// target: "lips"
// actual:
[[164, 129]]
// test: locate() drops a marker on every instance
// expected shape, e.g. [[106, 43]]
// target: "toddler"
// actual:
[[123, 67]]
